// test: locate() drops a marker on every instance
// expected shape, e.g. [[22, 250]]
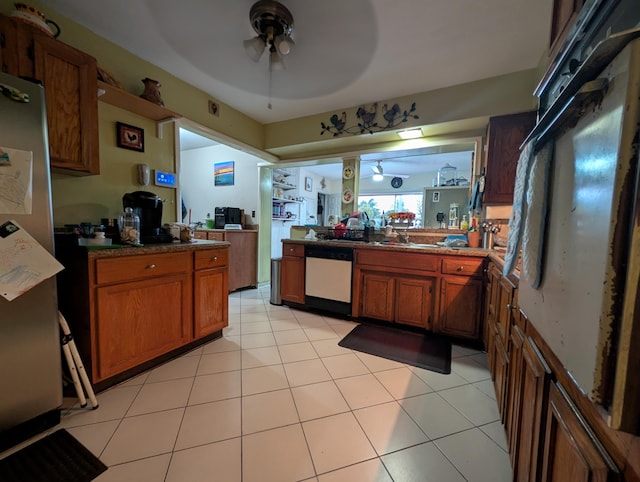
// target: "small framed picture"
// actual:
[[308, 184], [130, 137]]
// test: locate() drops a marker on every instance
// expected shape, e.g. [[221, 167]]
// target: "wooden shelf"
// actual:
[[132, 103]]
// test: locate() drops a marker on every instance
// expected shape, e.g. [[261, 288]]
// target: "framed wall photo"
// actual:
[[308, 184], [130, 137], [223, 173]]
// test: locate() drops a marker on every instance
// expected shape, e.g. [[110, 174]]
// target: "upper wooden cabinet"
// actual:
[[69, 77], [564, 14], [504, 136]]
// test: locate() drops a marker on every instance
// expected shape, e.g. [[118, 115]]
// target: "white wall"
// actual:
[[197, 184]]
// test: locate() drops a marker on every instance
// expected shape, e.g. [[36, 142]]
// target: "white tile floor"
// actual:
[[276, 399]]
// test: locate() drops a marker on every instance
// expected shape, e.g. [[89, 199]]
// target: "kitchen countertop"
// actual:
[[194, 245], [402, 247]]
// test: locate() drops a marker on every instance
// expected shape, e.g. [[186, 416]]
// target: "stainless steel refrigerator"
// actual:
[[30, 361], [439, 199]]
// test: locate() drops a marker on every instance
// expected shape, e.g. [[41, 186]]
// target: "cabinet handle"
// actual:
[[510, 306], [214, 258], [151, 266], [460, 268]]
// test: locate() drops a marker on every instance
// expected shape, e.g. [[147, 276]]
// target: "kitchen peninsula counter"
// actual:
[[440, 289], [130, 308]]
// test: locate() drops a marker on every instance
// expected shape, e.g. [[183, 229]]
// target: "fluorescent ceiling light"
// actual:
[[378, 177], [410, 134]]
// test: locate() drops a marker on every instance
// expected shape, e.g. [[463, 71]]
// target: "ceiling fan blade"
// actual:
[[404, 176]]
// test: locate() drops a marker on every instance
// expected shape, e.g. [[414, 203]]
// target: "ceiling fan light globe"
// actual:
[[254, 47], [276, 63], [284, 44], [378, 177]]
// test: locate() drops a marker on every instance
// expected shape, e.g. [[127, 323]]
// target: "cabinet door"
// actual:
[[535, 391], [504, 136], [564, 15], [501, 370], [460, 303], [292, 279], [210, 292], [507, 298], [70, 80], [242, 258], [571, 450], [139, 321], [414, 301], [514, 391], [377, 296]]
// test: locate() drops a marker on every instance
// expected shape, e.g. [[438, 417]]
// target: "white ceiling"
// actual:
[[347, 53]]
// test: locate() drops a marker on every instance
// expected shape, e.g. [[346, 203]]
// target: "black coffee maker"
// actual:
[[148, 207]]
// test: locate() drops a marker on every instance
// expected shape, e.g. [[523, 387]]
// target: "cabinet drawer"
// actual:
[[462, 266], [417, 261], [127, 268], [289, 249], [200, 235], [211, 258]]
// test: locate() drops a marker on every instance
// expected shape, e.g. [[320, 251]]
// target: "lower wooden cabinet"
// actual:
[[292, 273], [210, 292], [125, 311], [403, 299], [136, 323], [460, 307], [571, 451], [243, 254]]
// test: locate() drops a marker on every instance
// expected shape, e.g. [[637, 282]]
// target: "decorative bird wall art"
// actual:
[[393, 116]]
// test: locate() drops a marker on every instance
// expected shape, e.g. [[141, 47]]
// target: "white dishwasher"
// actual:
[[328, 273]]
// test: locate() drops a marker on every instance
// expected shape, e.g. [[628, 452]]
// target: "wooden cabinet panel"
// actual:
[[138, 321], [292, 279], [462, 265], [292, 249], [460, 307], [507, 298], [70, 80], [243, 254], [414, 301], [210, 292], [513, 399], [211, 258], [563, 16], [571, 451], [417, 261], [535, 390], [501, 370], [377, 296], [504, 136], [130, 268]]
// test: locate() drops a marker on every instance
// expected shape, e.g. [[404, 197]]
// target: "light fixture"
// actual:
[[378, 173], [410, 134], [273, 23]]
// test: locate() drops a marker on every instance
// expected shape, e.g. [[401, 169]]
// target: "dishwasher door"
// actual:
[[328, 273], [328, 278]]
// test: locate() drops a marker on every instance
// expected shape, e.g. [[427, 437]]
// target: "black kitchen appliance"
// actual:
[[227, 215], [148, 207]]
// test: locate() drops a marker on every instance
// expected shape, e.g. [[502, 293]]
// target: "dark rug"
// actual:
[[423, 350], [58, 457]]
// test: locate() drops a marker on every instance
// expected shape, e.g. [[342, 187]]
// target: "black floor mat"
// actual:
[[58, 457], [424, 350]]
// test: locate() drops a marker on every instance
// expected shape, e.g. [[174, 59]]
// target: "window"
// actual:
[[377, 205]]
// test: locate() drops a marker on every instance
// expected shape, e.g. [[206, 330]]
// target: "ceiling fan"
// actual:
[[379, 174]]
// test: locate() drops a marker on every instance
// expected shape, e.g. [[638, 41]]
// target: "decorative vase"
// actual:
[[473, 237]]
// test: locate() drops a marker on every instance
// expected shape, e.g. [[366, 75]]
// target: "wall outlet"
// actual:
[[214, 108]]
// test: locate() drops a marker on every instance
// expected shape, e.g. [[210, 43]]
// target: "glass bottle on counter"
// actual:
[[129, 223], [464, 225]]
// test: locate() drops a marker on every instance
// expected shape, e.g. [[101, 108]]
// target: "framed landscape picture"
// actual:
[[223, 173]]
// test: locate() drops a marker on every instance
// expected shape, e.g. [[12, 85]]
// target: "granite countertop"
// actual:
[[398, 247], [194, 245]]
